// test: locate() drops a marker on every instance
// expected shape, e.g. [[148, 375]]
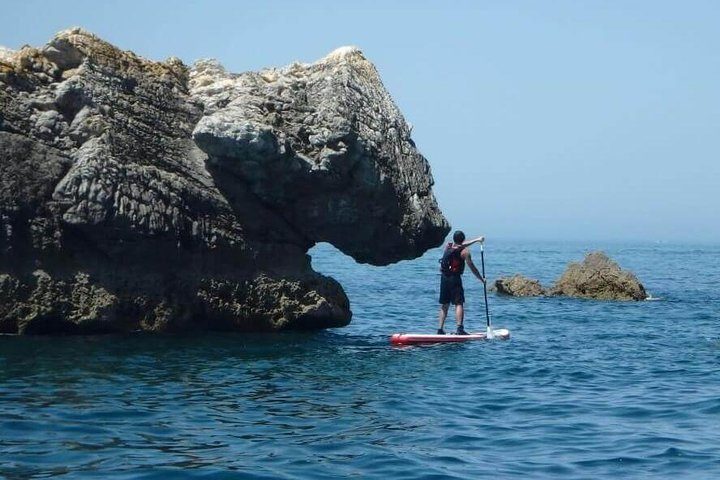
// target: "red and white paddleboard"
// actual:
[[420, 338]]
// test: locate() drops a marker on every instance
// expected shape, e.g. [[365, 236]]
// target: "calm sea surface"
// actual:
[[583, 389]]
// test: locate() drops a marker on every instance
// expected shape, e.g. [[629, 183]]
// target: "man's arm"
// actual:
[[473, 268], [467, 243]]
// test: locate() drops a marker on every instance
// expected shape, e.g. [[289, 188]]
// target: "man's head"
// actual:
[[458, 237]]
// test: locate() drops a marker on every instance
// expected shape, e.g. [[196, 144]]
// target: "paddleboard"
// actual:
[[420, 338]]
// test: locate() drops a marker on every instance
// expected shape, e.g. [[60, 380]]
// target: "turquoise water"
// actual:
[[583, 389]]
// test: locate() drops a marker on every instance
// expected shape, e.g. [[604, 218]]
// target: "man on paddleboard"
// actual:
[[452, 266]]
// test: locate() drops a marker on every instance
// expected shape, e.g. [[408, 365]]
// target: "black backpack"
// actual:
[[451, 262]]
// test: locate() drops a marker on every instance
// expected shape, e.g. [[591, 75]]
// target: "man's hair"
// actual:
[[458, 236]]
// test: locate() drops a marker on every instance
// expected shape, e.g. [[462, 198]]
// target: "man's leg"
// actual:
[[443, 314], [459, 296], [459, 314]]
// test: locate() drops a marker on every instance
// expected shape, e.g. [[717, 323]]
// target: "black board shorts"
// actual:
[[451, 290]]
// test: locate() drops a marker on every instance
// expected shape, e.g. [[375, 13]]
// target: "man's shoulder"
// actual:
[[465, 252]]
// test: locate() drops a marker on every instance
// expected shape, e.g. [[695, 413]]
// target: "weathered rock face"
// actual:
[[518, 286], [146, 195], [600, 278], [350, 172]]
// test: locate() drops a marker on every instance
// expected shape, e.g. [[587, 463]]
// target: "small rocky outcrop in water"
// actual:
[[142, 195], [518, 286], [598, 277]]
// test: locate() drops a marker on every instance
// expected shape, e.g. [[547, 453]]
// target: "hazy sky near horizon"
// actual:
[[593, 120]]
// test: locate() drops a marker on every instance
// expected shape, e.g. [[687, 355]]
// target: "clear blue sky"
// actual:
[[541, 120]]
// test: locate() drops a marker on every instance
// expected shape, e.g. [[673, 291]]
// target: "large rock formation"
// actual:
[[600, 278], [518, 286], [142, 195]]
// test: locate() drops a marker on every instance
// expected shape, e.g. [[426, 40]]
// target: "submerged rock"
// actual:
[[142, 195], [518, 286], [598, 277]]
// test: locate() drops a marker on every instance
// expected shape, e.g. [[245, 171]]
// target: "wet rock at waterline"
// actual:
[[518, 286], [143, 195]]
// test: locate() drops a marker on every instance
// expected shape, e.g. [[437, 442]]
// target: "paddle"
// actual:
[[489, 333]]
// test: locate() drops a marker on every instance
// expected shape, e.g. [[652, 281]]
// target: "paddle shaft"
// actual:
[[482, 263]]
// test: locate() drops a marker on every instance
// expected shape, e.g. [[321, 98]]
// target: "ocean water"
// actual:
[[583, 389]]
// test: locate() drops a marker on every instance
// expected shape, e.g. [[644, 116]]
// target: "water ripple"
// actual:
[[582, 390]]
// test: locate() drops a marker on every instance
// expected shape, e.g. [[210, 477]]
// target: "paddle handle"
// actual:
[[482, 263]]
